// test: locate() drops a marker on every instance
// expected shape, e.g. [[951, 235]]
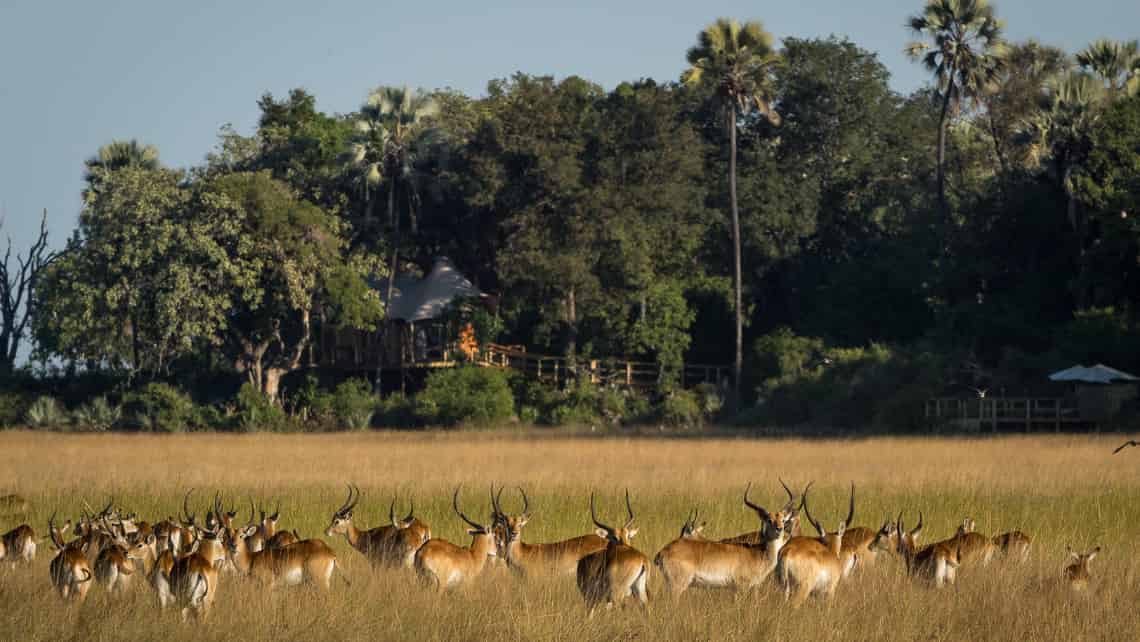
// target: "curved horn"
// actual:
[[411, 510], [594, 516], [526, 502], [392, 512], [344, 508], [628, 509], [851, 508], [277, 509], [496, 511], [107, 509], [759, 509], [186, 507], [807, 512], [55, 538], [455, 505], [251, 512], [919, 527], [791, 496]]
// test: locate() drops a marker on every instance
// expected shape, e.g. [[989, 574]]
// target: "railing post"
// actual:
[[628, 373]]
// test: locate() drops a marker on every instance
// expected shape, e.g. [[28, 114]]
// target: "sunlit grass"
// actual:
[[1060, 489]]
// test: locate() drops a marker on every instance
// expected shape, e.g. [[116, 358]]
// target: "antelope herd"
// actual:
[[185, 560]]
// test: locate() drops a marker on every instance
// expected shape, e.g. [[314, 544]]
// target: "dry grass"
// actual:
[[1059, 489]]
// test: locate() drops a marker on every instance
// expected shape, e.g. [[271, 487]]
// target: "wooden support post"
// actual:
[[1028, 414], [1057, 423]]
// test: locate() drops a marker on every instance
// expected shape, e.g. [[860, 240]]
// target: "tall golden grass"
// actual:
[[1061, 489]]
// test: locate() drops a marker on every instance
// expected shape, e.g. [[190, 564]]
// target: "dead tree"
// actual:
[[18, 294]]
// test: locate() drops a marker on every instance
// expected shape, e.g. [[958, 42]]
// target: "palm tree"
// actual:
[[1058, 135], [737, 62], [391, 135], [964, 51], [114, 156], [1116, 64]]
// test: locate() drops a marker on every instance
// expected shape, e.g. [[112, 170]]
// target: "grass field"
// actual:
[[1063, 489]]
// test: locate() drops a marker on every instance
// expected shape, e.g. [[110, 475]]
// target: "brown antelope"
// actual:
[[70, 571], [1076, 574], [18, 545], [1013, 545], [809, 565], [689, 561], [192, 582], [787, 512], [116, 564], [391, 546], [972, 546], [557, 558], [617, 571], [937, 562], [445, 565], [307, 561], [856, 541]]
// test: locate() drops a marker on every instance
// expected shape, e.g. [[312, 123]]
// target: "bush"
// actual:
[[395, 411], [466, 394], [253, 411], [682, 408], [13, 408], [354, 404], [46, 412], [160, 407], [97, 415]]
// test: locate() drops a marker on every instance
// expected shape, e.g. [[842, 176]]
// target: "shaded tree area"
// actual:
[[778, 206]]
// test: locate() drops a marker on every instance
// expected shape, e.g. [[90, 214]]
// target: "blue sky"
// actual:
[[75, 75]]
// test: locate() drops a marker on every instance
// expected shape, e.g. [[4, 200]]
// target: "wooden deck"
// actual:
[[559, 370], [1027, 413]]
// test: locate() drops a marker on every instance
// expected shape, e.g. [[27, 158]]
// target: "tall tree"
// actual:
[[964, 50], [114, 156], [737, 61], [1116, 64], [18, 294]]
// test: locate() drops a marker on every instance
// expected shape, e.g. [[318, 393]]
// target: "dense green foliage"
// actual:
[[874, 249]]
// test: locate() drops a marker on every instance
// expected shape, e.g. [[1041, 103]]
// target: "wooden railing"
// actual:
[[979, 412], [559, 370]]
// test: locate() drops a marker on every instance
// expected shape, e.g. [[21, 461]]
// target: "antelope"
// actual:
[[116, 564], [557, 558], [1013, 545], [18, 545], [786, 512], [70, 570], [689, 561], [812, 566], [445, 565], [617, 571], [937, 562], [390, 546], [309, 560], [972, 546], [1076, 575], [192, 582], [856, 541]]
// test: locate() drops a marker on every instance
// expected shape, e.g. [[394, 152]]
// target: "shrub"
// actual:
[[465, 394], [97, 415], [13, 408], [254, 411], [682, 408], [354, 404], [580, 403], [160, 407], [395, 411], [46, 412]]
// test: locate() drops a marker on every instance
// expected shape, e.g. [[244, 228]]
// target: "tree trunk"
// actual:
[[737, 285], [571, 324], [1082, 293], [395, 222], [941, 153]]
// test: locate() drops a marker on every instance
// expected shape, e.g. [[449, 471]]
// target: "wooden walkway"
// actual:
[[559, 370], [999, 413]]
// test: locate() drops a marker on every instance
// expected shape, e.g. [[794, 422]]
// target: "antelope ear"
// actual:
[[631, 533], [150, 540], [474, 531], [601, 532], [523, 519], [248, 531], [1093, 553]]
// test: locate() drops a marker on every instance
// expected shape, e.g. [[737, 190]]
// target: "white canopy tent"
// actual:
[[1099, 373], [415, 299]]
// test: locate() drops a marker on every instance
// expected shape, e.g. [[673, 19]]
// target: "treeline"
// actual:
[[851, 249]]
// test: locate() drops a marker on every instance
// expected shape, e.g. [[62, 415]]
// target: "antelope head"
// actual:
[[342, 518], [967, 526], [621, 535], [477, 530], [836, 536], [778, 527], [691, 529], [908, 541], [509, 526]]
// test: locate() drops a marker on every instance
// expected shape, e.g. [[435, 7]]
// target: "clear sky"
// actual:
[[75, 75]]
